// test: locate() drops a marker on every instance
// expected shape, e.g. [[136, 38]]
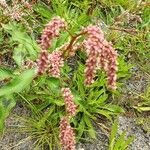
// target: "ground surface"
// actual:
[[18, 141]]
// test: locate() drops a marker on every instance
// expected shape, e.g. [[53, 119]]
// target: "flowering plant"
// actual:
[[100, 54], [62, 72], [49, 75]]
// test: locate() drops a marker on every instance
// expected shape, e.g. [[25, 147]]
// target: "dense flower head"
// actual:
[[68, 98], [51, 31], [100, 54], [43, 62], [67, 136], [90, 67], [110, 64], [55, 63], [3, 3], [92, 47], [16, 15], [15, 10]]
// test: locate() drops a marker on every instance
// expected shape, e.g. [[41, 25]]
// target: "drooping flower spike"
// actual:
[[51, 31], [100, 53]]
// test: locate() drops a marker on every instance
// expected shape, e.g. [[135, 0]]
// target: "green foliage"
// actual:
[[144, 122], [26, 45], [6, 104], [42, 129], [5, 73], [92, 101], [43, 10], [18, 83], [144, 105], [43, 94], [118, 142]]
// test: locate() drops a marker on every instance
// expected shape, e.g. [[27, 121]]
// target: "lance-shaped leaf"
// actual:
[[6, 104], [5, 73], [18, 83]]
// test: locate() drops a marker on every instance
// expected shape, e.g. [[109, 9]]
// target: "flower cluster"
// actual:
[[92, 47], [100, 54], [67, 136], [43, 62], [108, 62], [16, 15], [55, 63], [68, 98], [51, 31], [3, 3], [27, 5], [15, 11]]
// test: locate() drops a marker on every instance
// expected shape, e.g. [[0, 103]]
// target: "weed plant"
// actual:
[[42, 94]]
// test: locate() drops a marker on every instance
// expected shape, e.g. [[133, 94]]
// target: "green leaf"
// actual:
[[140, 108], [57, 102], [80, 128], [43, 119], [18, 55], [6, 104], [113, 108], [5, 73], [54, 84], [127, 142], [104, 113], [27, 46], [18, 83], [91, 130], [92, 133], [120, 141], [100, 99], [113, 135], [43, 10]]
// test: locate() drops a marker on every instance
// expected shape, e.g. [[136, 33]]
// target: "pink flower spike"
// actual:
[[51, 31], [55, 63], [68, 98], [100, 54], [67, 136], [42, 62], [92, 48]]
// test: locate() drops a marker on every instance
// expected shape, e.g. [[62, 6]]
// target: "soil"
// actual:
[[20, 141]]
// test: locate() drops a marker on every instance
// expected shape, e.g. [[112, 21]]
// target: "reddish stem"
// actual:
[[69, 47]]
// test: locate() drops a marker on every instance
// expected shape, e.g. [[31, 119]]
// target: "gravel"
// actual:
[[18, 141], [12, 140], [142, 139]]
